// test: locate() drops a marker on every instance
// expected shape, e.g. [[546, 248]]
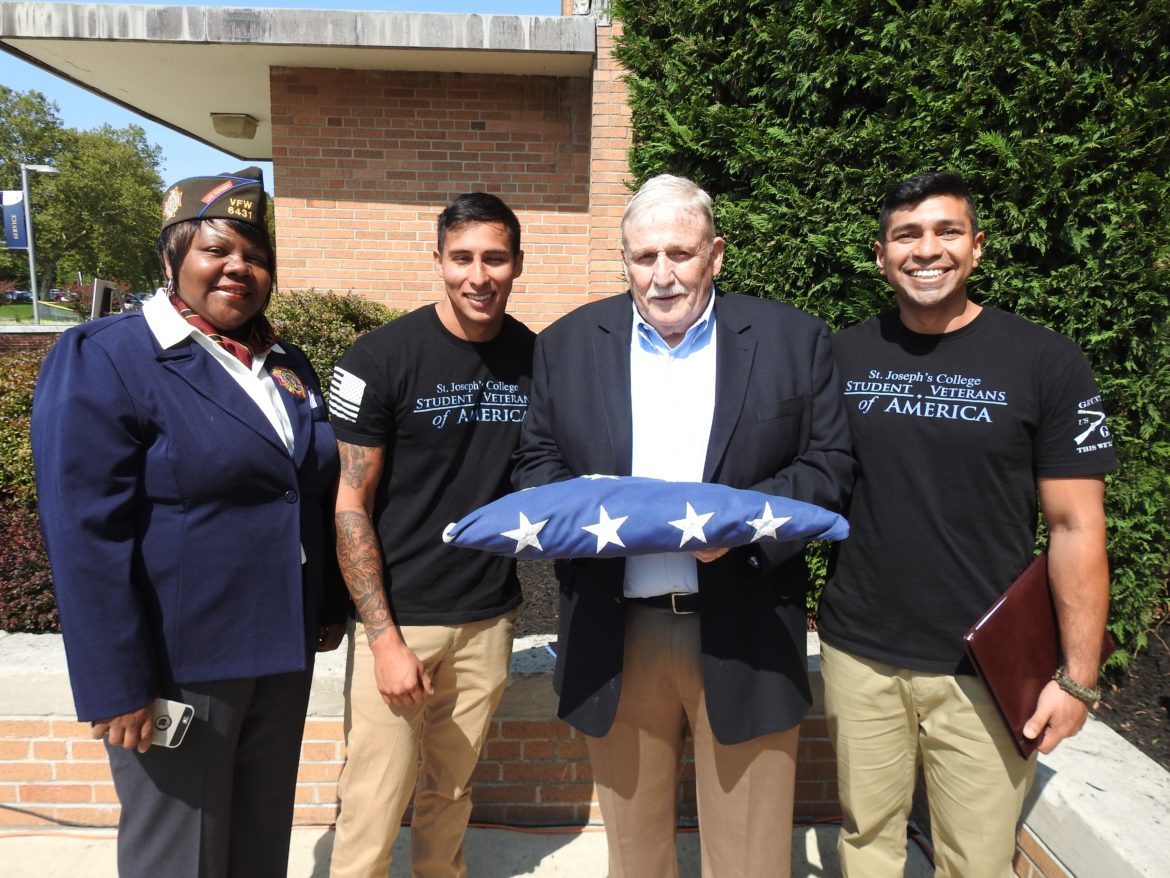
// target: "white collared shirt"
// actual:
[[169, 328], [672, 397]]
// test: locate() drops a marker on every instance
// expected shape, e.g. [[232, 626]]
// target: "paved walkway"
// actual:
[[491, 853]]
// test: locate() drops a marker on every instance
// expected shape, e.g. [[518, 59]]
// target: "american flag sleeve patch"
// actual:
[[606, 516], [345, 395]]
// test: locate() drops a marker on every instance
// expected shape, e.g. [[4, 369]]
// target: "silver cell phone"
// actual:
[[171, 721]]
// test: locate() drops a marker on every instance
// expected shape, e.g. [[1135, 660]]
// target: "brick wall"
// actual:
[[1034, 860], [27, 339], [534, 771], [51, 770], [365, 160], [609, 171]]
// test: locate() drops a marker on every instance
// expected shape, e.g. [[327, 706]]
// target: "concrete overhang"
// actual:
[[179, 64]]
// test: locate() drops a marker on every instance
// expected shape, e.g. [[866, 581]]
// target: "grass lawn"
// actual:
[[20, 313]]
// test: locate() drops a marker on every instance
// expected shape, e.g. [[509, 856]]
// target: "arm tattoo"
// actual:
[[355, 464], [361, 566], [358, 551]]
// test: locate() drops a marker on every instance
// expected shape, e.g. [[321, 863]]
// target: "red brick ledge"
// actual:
[[1099, 806]]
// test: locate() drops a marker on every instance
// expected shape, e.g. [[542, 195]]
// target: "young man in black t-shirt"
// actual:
[[965, 421], [427, 410]]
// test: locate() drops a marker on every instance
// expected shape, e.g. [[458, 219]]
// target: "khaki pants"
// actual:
[[745, 791], [436, 743], [884, 722]]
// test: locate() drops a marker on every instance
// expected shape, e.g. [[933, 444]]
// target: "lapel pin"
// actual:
[[288, 379]]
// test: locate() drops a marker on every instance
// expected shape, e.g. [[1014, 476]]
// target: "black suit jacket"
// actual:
[[779, 427]]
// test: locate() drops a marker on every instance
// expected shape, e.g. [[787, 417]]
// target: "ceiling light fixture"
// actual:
[[240, 126]]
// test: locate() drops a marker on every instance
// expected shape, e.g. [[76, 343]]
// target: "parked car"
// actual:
[[18, 296]]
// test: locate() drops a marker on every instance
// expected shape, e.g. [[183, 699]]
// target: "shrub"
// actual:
[[26, 597], [26, 587], [322, 324], [797, 116], [18, 376]]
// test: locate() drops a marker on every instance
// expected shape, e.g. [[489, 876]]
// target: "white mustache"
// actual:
[[665, 292]]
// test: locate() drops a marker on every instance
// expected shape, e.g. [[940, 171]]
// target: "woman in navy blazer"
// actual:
[[186, 473]]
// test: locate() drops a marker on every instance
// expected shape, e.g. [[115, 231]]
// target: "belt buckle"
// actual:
[[674, 595]]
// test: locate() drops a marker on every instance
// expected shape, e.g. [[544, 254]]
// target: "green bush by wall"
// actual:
[[26, 596], [322, 324], [797, 116]]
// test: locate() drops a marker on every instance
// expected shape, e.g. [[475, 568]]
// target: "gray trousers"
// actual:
[[221, 803]]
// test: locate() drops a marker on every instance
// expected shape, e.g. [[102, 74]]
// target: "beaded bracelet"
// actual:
[[1075, 689]]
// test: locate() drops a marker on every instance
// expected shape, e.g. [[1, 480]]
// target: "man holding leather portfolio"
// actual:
[[966, 420]]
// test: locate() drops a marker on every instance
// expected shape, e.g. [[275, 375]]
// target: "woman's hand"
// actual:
[[329, 637], [131, 731]]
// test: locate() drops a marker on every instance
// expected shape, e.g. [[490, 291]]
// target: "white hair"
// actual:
[[667, 188]]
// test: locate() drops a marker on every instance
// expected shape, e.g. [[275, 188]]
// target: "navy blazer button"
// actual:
[[290, 497]]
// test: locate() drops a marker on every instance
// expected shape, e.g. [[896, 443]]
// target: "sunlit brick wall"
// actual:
[[365, 160], [609, 172]]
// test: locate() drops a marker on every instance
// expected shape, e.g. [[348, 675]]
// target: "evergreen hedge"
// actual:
[[797, 116], [324, 325]]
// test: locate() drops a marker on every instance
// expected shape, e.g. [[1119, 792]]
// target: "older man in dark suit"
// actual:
[[677, 381]]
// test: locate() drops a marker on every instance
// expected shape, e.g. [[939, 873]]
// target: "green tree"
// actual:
[[100, 214], [30, 132], [797, 116]]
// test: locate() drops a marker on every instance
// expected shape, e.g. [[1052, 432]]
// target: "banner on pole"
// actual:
[[15, 234]]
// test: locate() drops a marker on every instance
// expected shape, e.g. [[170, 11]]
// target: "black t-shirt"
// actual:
[[951, 432], [448, 413]]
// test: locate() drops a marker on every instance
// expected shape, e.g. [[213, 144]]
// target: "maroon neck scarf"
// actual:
[[261, 335]]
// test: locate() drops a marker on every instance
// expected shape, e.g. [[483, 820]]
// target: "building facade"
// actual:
[[373, 122]]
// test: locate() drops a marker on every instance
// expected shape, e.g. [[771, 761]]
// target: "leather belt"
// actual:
[[681, 603]]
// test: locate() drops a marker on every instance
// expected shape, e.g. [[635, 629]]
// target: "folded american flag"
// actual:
[[606, 516]]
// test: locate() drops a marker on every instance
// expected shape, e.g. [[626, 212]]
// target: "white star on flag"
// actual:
[[692, 525], [606, 530], [525, 534], [767, 524]]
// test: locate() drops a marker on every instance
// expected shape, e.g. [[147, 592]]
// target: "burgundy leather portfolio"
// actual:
[[1015, 648]]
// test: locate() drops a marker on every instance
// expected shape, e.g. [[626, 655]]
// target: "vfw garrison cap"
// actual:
[[238, 196]]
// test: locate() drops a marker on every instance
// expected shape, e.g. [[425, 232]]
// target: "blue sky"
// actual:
[[182, 156]]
